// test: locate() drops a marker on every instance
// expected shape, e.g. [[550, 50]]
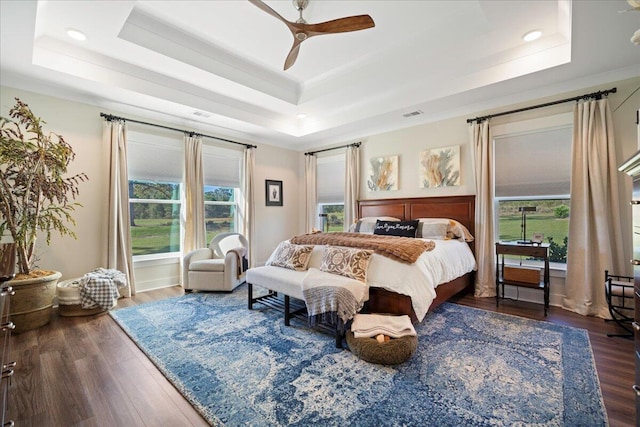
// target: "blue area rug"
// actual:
[[472, 368]]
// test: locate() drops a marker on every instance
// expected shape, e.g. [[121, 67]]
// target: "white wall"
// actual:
[[81, 127], [275, 223], [407, 144]]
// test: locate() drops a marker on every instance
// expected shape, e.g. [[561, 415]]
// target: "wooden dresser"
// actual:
[[6, 326], [632, 168], [7, 270]]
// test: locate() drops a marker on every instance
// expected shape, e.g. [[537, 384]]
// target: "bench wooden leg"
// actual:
[[340, 330]]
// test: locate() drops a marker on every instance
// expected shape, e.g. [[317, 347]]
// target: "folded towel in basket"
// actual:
[[370, 325]]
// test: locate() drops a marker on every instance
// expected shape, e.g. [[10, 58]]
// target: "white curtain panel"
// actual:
[[311, 192], [192, 215], [482, 148], [351, 185], [114, 134], [595, 231], [248, 201]]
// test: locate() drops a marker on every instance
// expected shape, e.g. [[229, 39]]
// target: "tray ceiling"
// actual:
[[218, 65]]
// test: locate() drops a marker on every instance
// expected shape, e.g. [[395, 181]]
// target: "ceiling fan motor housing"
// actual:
[[300, 5]]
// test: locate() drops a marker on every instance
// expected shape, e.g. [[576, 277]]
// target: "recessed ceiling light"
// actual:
[[76, 34], [301, 115], [532, 35]]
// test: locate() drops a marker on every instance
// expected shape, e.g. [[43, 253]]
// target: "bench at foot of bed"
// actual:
[[291, 307]]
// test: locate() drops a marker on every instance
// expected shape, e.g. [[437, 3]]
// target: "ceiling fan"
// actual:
[[302, 31]]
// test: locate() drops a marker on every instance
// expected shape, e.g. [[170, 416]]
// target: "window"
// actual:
[[221, 189], [534, 170], [334, 219], [155, 174], [551, 218], [219, 210], [330, 172], [155, 167]]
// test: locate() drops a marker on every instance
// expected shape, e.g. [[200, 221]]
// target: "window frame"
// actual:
[[538, 124]]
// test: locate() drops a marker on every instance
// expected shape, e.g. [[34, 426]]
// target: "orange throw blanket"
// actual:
[[401, 249]]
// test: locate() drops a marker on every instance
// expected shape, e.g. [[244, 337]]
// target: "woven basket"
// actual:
[[69, 300], [392, 352]]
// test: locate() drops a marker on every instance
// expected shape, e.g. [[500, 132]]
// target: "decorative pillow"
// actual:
[[347, 262], [434, 230], [459, 231], [397, 228], [368, 224], [455, 230], [293, 257]]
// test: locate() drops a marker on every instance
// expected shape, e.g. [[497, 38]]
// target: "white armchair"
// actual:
[[220, 267]]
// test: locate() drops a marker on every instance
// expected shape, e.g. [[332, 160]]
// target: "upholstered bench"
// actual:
[[282, 285], [278, 281]]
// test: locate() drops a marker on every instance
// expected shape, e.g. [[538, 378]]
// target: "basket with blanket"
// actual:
[[95, 292], [382, 339]]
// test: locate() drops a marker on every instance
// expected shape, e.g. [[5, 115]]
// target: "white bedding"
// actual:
[[448, 260]]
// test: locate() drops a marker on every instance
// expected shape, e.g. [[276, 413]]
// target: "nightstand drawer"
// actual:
[[532, 251], [521, 274]]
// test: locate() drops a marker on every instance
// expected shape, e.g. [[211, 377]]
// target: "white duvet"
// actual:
[[448, 260]]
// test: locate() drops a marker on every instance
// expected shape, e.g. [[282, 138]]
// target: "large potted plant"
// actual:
[[35, 198]]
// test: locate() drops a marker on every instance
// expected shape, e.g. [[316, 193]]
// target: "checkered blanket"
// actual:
[[100, 288]]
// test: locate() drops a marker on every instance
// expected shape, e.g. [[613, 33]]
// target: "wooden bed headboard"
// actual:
[[460, 208]]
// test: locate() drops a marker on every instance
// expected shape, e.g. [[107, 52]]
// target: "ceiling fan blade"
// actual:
[[261, 5], [342, 25], [302, 31], [293, 54]]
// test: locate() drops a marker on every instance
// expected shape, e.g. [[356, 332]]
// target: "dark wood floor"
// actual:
[[85, 371]]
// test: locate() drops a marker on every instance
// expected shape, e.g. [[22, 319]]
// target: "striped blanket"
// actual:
[[401, 249], [331, 298]]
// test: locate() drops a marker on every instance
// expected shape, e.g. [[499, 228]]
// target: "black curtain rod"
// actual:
[[594, 95], [311, 153], [110, 118]]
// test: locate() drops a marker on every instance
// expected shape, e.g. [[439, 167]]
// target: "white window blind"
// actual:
[[221, 166], [154, 158], [533, 164], [330, 173]]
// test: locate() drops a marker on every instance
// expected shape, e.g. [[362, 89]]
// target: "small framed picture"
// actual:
[[537, 237], [273, 192]]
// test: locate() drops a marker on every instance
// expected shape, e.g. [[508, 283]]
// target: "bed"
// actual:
[[391, 293], [459, 208]]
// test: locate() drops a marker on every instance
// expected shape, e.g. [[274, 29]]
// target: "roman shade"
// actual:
[[222, 166], [154, 158], [331, 173], [533, 164]]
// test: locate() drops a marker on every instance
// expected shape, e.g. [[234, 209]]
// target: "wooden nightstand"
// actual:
[[527, 250]]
